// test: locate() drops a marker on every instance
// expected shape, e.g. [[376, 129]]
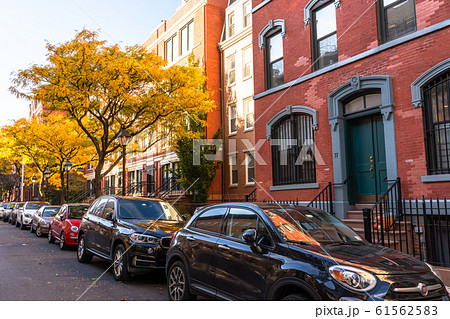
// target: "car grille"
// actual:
[[165, 242]]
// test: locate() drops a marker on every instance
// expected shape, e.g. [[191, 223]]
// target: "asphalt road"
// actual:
[[33, 269]]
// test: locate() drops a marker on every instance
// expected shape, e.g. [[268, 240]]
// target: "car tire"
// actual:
[[178, 283], [16, 223], [295, 297], [62, 241], [51, 239], [120, 264], [82, 255], [31, 228], [22, 226], [38, 231]]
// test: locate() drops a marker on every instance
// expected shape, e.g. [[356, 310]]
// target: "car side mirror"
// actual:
[[249, 236], [109, 216], [183, 217]]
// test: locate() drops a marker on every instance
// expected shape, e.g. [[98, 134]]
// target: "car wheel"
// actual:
[[82, 255], [295, 297], [62, 242], [38, 231], [22, 226], [177, 283], [51, 240], [120, 265]]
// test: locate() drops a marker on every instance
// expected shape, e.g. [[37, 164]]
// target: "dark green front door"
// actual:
[[367, 159]]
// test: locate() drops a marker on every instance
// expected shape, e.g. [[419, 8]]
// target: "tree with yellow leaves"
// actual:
[[104, 89], [46, 142]]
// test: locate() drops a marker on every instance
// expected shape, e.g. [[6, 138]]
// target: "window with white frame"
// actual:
[[231, 69], [187, 38], [233, 118], [247, 62], [233, 169], [325, 47], [231, 24], [247, 13], [250, 168], [248, 111], [172, 48]]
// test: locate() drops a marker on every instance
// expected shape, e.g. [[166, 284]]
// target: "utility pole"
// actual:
[[21, 183]]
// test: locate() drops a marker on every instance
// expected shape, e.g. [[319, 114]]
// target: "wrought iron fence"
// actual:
[[324, 200]]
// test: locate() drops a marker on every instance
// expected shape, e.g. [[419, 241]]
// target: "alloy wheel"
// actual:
[[80, 248], [118, 263], [177, 283], [38, 231]]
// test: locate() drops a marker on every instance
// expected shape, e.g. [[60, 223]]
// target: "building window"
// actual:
[[397, 18], [231, 69], [233, 118], [247, 14], [363, 102], [231, 24], [248, 111], [274, 60], [187, 38], [292, 150], [233, 170], [325, 49], [436, 96], [250, 168], [172, 48], [247, 62]]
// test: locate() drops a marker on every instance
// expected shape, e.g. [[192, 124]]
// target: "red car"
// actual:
[[64, 227]]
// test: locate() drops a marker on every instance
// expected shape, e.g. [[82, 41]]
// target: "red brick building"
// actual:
[[195, 28], [364, 85]]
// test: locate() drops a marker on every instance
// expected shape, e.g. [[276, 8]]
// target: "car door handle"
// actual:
[[190, 238], [224, 247]]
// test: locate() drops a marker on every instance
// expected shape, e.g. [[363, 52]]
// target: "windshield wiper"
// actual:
[[354, 243], [300, 242]]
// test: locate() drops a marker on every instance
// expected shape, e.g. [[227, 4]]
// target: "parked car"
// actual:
[[64, 226], [25, 215], [40, 222], [13, 214], [134, 233], [7, 211], [2, 208], [270, 252]]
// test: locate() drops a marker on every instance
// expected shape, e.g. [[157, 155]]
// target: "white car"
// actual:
[[2, 208], [25, 215]]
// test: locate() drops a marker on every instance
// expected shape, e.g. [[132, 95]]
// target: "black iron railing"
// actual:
[[324, 200], [251, 197]]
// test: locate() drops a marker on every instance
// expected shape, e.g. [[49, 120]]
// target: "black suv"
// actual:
[[271, 252], [134, 233]]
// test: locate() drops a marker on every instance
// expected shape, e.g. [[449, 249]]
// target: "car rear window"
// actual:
[[210, 220], [77, 212], [34, 205], [50, 211]]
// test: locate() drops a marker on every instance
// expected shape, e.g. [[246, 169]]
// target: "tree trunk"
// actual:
[[98, 177]]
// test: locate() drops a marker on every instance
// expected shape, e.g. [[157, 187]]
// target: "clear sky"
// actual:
[[26, 25]]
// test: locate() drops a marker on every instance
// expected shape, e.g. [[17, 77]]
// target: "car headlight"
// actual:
[[353, 278], [144, 239], [74, 228], [434, 271]]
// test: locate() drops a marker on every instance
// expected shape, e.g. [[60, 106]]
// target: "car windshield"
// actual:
[[3, 205], [10, 206], [34, 205], [20, 205], [77, 212], [311, 227], [144, 209], [50, 211]]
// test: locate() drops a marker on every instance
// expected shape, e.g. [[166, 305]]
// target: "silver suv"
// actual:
[[25, 215]]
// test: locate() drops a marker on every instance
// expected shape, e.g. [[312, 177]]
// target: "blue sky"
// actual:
[[26, 25]]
